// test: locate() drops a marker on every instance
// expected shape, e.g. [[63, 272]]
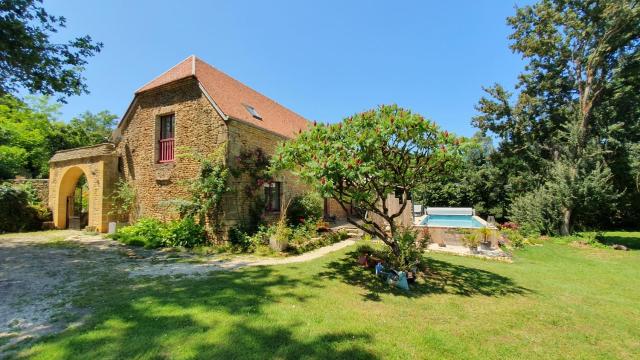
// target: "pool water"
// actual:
[[461, 221]]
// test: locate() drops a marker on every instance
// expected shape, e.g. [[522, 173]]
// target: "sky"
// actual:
[[325, 60]]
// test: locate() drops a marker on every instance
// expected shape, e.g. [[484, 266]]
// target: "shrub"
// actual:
[[472, 239], [305, 208], [279, 239], [307, 239], [509, 225], [515, 238], [152, 233], [594, 239], [123, 200], [185, 232], [20, 209], [411, 251], [240, 238], [537, 212]]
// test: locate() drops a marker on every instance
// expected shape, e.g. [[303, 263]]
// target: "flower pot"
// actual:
[[277, 245]]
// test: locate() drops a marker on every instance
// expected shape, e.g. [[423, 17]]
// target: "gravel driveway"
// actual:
[[40, 272]]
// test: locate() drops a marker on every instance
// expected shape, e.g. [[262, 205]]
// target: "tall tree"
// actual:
[[30, 132], [579, 57], [29, 59]]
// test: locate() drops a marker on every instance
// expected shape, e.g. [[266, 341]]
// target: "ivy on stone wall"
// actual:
[[206, 190], [254, 164]]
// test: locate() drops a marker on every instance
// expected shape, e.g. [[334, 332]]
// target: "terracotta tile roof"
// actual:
[[232, 97]]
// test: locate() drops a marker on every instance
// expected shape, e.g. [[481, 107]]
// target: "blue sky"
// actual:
[[323, 59]]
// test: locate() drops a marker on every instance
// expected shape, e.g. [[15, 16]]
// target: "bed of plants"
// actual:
[[152, 233]]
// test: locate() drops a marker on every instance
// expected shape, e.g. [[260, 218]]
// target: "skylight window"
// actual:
[[253, 111]]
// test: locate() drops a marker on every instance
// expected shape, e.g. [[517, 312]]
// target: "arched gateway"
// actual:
[[99, 165]]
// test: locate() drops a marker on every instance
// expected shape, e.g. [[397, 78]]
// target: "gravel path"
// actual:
[[182, 268], [40, 273]]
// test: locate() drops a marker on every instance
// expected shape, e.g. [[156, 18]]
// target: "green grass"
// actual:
[[554, 301]]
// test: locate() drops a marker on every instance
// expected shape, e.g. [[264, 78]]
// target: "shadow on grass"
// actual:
[[631, 242], [226, 315], [441, 278]]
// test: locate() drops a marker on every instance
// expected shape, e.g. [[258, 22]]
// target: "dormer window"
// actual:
[[253, 111]]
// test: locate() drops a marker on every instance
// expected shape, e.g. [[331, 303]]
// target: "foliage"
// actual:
[[20, 209], [185, 232], [368, 156], [207, 190], [32, 60], [594, 239], [305, 208], [89, 128], [509, 225], [476, 183], [575, 116], [411, 254], [537, 212], [281, 235], [515, 238], [123, 200], [579, 187], [153, 233], [253, 165], [240, 239], [147, 232], [472, 239], [30, 133]]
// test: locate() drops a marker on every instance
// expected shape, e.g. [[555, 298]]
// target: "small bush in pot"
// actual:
[[472, 240]]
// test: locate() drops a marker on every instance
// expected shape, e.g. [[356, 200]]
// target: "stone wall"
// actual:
[[197, 126], [393, 205], [41, 187], [242, 137]]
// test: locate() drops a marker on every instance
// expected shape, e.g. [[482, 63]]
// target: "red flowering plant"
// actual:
[[368, 156]]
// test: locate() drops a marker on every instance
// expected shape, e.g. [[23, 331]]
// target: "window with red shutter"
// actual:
[[166, 146]]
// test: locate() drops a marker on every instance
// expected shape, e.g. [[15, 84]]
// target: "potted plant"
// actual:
[[279, 239], [472, 240], [485, 234]]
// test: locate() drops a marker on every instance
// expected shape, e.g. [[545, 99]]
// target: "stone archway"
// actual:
[[99, 165], [66, 190]]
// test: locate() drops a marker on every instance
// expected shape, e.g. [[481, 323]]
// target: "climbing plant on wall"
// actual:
[[254, 164], [206, 190]]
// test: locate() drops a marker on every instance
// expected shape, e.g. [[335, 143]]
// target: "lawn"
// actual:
[[554, 301]]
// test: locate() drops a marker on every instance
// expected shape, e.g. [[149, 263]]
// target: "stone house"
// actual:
[[192, 107]]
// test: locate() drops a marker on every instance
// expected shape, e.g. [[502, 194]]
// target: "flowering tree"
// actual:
[[361, 160]]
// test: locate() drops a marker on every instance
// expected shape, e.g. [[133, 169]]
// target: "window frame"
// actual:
[[269, 188], [166, 133], [252, 111], [163, 119]]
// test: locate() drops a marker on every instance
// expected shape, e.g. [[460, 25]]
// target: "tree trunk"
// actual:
[[565, 228]]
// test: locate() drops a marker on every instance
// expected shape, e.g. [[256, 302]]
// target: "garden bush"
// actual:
[[243, 240], [515, 238], [152, 233], [305, 238], [185, 232], [411, 251], [305, 209], [537, 212], [20, 209]]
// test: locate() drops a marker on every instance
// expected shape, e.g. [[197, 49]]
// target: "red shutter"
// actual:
[[166, 150]]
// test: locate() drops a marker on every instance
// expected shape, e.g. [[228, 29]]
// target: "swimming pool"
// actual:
[[454, 221]]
